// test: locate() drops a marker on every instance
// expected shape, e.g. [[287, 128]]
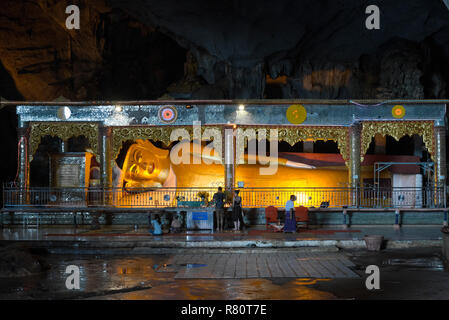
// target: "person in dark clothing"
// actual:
[[290, 219], [219, 198], [237, 216]]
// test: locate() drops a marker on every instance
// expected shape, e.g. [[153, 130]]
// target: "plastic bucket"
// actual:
[[373, 243]]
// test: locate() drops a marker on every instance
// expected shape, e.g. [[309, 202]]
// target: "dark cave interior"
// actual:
[[148, 49]]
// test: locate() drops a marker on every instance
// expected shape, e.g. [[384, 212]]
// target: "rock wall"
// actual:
[[137, 49], [322, 47], [112, 56]]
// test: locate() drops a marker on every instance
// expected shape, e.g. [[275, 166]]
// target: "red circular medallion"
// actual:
[[168, 114]]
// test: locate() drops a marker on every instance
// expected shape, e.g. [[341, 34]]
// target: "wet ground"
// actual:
[[127, 233], [404, 274]]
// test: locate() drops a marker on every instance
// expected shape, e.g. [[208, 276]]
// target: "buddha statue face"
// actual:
[[145, 166]]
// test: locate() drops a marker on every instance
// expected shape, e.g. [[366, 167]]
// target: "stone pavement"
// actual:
[[260, 265], [130, 240]]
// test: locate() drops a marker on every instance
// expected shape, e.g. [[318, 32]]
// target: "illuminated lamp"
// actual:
[[64, 113], [398, 111], [168, 114], [118, 109], [241, 107], [296, 114]]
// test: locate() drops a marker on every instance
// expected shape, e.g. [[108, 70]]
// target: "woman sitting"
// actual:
[[175, 225], [156, 229]]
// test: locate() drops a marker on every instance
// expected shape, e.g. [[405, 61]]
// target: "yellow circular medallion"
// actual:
[[296, 114], [398, 111]]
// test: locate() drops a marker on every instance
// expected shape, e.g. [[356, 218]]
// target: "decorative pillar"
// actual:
[[229, 157], [440, 155], [23, 165], [63, 146], [440, 165], [105, 157], [354, 162], [23, 173]]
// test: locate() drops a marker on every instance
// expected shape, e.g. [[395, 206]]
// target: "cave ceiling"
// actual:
[[137, 49]]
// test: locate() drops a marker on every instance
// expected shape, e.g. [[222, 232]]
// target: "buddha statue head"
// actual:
[[145, 166]]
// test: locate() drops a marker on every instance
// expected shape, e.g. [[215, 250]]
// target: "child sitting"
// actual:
[[175, 225]]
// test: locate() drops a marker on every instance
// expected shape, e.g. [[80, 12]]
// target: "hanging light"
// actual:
[[64, 113]]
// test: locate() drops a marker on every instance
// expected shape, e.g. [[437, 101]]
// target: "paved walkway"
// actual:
[[260, 265]]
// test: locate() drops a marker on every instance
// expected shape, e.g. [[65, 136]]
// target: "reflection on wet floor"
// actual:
[[102, 276], [430, 263], [411, 273], [97, 274], [129, 233]]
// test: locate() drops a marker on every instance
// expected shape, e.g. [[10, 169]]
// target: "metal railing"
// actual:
[[365, 197]]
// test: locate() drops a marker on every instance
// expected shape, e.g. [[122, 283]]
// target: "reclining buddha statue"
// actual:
[[147, 166]]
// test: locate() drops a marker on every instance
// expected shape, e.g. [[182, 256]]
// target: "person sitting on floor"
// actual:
[[156, 229], [175, 225]]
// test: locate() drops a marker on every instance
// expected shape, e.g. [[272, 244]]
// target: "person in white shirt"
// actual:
[[290, 203], [290, 219]]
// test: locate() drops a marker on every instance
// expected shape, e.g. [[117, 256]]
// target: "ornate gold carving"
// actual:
[[159, 133], [398, 129], [63, 130], [293, 134]]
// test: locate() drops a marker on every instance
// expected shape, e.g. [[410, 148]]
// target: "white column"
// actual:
[[354, 163], [23, 165], [105, 157], [229, 152]]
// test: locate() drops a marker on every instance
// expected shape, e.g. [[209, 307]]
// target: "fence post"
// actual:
[[345, 219], [397, 219], [445, 218], [445, 196]]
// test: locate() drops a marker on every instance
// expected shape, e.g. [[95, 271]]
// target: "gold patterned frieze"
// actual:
[[64, 131], [163, 134], [294, 134], [397, 130]]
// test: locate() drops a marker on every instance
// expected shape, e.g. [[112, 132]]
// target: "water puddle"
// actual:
[[176, 267], [194, 265], [147, 277], [430, 263]]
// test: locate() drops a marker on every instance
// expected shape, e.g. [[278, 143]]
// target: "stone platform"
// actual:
[[128, 240], [253, 216]]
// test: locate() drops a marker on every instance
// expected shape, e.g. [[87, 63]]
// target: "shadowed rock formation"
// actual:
[[322, 47], [138, 49], [112, 56]]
